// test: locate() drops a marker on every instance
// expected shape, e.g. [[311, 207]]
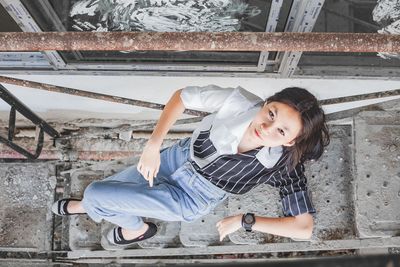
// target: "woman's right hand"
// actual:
[[149, 162]]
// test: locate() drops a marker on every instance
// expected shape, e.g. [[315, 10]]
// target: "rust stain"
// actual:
[[199, 41], [88, 94], [335, 234]]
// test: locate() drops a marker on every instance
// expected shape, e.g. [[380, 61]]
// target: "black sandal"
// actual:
[[60, 207], [114, 237]]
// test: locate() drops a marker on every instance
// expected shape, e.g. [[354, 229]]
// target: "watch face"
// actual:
[[248, 219]]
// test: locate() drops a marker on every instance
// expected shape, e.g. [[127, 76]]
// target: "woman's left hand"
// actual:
[[229, 225]]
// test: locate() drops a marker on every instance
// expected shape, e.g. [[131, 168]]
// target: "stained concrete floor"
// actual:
[[355, 189]]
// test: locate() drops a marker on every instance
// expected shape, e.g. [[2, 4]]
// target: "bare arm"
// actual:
[[149, 162], [171, 112], [299, 226]]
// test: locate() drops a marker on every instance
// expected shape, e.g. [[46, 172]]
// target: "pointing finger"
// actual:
[[154, 174]]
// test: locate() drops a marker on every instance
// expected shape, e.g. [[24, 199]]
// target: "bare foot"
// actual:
[[75, 206], [132, 234]]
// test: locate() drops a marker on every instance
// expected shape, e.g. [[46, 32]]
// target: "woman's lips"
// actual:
[[257, 133]]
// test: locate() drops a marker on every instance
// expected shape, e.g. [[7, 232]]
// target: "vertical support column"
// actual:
[[272, 21], [302, 18], [21, 16]]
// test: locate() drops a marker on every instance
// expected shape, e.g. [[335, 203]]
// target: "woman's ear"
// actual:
[[291, 143]]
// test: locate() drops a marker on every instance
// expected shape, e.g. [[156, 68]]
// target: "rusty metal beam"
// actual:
[[76, 92], [348, 113], [199, 41], [133, 102], [353, 98]]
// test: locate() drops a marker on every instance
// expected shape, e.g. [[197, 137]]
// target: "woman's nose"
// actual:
[[265, 128]]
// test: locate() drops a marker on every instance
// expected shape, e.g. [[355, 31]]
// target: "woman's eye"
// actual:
[[281, 132], [271, 115]]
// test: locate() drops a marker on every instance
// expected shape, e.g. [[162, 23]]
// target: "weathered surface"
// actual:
[[331, 185], [84, 233], [377, 188], [167, 235], [262, 201], [199, 41], [26, 194], [203, 231], [232, 249], [24, 263], [330, 181]]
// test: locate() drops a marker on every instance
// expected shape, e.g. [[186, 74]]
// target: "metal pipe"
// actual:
[[199, 41], [76, 92], [353, 98], [133, 102], [348, 113], [26, 112]]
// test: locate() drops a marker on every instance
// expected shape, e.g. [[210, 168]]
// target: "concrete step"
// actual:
[[203, 232], [330, 181], [377, 179], [331, 185], [352, 203], [84, 233], [26, 193]]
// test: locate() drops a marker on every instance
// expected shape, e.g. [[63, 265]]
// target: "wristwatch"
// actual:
[[248, 220]]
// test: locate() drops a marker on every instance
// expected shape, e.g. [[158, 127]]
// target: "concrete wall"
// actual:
[[159, 89]]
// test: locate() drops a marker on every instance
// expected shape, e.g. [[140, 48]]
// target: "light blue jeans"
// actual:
[[179, 193]]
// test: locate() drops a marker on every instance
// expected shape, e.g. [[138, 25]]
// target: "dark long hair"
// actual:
[[314, 135]]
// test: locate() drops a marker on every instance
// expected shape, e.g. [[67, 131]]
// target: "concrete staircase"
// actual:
[[330, 183], [355, 188]]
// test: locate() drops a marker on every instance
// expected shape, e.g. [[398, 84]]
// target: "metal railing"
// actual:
[[17, 105], [199, 41]]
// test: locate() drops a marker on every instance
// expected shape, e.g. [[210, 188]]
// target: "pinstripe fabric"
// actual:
[[203, 147], [216, 157], [241, 172], [293, 192]]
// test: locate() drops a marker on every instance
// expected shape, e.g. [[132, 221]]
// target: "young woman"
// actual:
[[245, 142]]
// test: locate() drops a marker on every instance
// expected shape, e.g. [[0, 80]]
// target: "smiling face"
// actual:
[[276, 124]]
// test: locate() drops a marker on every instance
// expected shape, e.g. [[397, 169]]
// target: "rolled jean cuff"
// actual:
[[130, 222], [93, 215]]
